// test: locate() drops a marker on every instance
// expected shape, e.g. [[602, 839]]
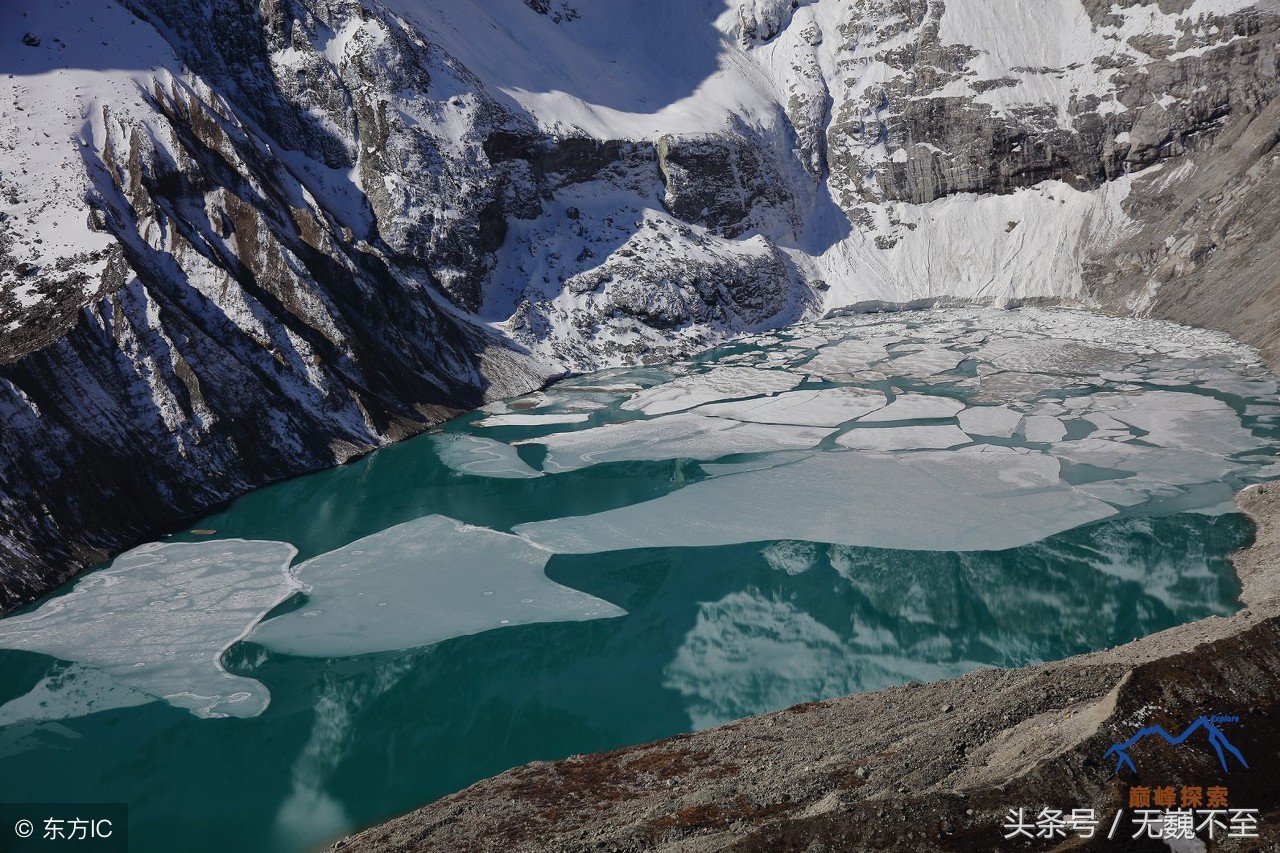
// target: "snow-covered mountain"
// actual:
[[241, 240]]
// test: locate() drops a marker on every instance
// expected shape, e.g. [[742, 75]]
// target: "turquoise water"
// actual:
[[712, 632]]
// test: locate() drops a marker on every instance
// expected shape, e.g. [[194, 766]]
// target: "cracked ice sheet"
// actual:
[[1180, 420], [848, 357], [721, 383], [932, 500], [551, 419], [828, 407], [916, 407], [159, 618], [420, 583], [904, 438], [684, 435], [1157, 464], [995, 421], [482, 457], [1044, 429], [1047, 355], [926, 362]]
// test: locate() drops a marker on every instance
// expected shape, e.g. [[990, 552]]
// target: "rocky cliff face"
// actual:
[[243, 240]]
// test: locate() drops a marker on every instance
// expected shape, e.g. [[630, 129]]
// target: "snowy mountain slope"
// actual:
[[242, 241]]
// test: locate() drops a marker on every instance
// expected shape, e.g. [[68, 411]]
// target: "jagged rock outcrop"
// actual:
[[1203, 235], [246, 240], [725, 183], [252, 319]]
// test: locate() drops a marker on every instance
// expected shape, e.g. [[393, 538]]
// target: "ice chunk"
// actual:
[[420, 583], [913, 407], [995, 421], [1049, 355], [904, 438], [838, 361], [826, 407], [1159, 464], [680, 436], [932, 500], [1043, 428], [1180, 420], [481, 457], [1106, 423], [1007, 386], [159, 618], [926, 362], [534, 420], [721, 383]]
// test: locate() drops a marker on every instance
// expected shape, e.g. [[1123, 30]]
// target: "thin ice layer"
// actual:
[[845, 358], [1158, 464], [482, 457], [1044, 429], [904, 438], [506, 420], [420, 583], [826, 407], [1180, 420], [721, 383], [915, 407], [995, 421], [926, 362], [938, 501], [680, 436], [159, 618]]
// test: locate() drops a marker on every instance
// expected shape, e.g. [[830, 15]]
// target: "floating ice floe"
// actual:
[[1044, 429], [826, 407], [159, 618], [926, 362], [721, 383], [482, 457], [550, 419], [842, 359], [929, 500], [904, 438], [994, 421], [684, 435], [1181, 420], [916, 407], [420, 583], [1010, 385], [1158, 464], [1049, 355]]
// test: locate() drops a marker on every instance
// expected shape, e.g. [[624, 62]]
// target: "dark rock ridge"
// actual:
[[314, 229], [248, 325]]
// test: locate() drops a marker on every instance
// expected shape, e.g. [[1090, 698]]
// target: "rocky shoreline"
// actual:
[[918, 767]]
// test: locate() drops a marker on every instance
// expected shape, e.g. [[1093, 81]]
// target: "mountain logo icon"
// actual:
[[1217, 739]]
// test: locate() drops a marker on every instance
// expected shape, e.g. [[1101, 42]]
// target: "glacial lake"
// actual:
[[835, 507]]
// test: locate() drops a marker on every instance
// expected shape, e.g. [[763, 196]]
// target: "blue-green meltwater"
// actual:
[[842, 506]]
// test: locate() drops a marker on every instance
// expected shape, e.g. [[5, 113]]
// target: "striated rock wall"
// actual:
[[245, 240]]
